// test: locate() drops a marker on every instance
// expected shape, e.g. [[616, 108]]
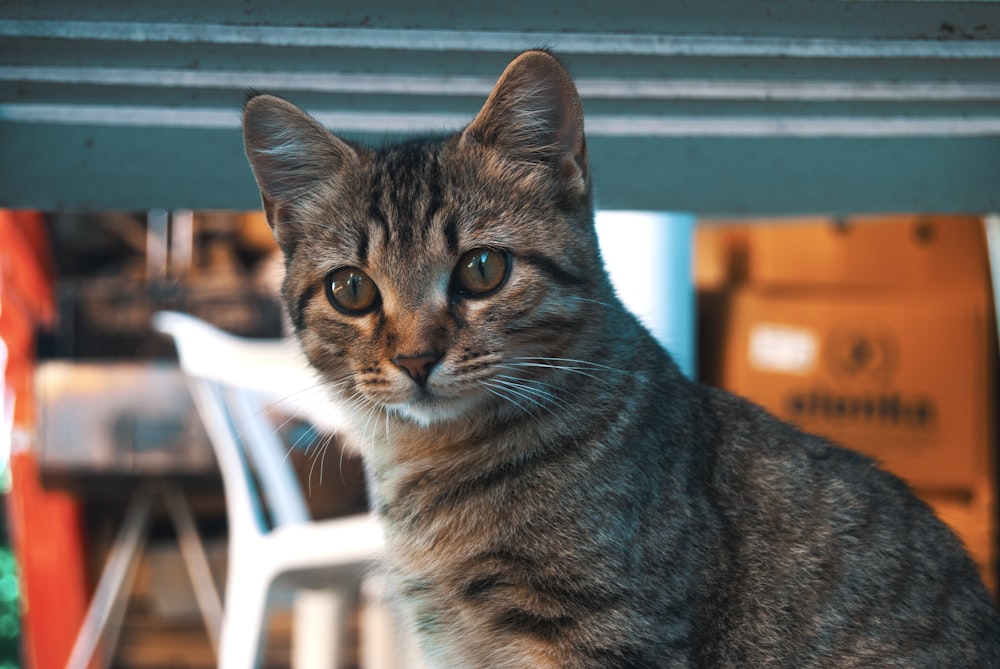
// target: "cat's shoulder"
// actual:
[[755, 448]]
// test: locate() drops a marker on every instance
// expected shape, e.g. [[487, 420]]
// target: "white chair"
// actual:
[[273, 543]]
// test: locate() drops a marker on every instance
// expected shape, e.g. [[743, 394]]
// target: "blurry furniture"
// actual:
[[126, 431], [104, 616], [273, 543]]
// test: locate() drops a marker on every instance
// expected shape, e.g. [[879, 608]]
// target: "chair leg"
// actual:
[[241, 642], [115, 584], [321, 626], [196, 561], [379, 648]]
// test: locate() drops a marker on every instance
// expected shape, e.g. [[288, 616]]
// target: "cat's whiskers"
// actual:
[[545, 393], [306, 436], [302, 410], [533, 382], [501, 393], [614, 306], [515, 391], [383, 412], [585, 368], [320, 441], [573, 361], [375, 407], [296, 398], [541, 396], [319, 454], [535, 403]]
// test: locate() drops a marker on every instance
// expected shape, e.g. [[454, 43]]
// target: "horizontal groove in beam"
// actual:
[[720, 46], [665, 89], [599, 125]]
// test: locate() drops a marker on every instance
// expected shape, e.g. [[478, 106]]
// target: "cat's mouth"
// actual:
[[439, 398]]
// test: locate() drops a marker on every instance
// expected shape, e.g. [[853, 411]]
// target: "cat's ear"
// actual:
[[290, 152], [535, 113]]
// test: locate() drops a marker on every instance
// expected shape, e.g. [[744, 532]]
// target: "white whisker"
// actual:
[[318, 451], [534, 395], [578, 364], [501, 394]]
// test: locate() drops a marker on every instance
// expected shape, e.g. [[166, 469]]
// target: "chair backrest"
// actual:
[[233, 382]]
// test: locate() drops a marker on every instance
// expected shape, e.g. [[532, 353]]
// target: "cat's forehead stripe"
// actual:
[[375, 213], [407, 191], [363, 247], [552, 268], [451, 235], [298, 312]]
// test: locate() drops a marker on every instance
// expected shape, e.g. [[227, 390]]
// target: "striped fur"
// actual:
[[556, 494]]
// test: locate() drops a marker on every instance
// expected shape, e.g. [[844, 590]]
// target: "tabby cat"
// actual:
[[554, 492]]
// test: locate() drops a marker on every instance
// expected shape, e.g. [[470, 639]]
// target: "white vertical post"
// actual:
[[319, 631], [6, 420], [648, 255], [156, 245], [181, 243], [992, 226]]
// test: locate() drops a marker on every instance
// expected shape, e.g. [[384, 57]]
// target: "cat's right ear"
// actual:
[[290, 152]]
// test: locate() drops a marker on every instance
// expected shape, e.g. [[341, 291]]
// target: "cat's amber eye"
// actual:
[[351, 291], [481, 271]]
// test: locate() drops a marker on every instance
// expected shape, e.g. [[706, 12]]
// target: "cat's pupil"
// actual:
[[480, 264], [481, 271], [351, 291]]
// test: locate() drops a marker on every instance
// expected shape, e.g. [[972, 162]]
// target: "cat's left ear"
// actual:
[[534, 113]]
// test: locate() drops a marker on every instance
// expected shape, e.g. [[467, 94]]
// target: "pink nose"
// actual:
[[417, 366]]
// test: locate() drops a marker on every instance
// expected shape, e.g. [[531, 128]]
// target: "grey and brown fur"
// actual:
[[555, 493]]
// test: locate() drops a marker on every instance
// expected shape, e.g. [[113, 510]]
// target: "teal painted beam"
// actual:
[[136, 168], [717, 107]]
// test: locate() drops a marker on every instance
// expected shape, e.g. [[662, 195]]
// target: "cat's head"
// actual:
[[437, 277]]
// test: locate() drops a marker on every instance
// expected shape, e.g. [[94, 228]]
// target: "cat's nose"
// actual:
[[417, 366]]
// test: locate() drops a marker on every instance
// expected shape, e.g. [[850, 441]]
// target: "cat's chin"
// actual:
[[427, 411]]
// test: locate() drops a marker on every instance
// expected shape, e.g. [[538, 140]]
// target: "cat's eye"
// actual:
[[481, 271], [351, 291]]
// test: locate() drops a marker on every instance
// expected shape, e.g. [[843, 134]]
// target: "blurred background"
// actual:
[[797, 197]]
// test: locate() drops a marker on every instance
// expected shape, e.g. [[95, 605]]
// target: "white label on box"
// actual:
[[782, 349]]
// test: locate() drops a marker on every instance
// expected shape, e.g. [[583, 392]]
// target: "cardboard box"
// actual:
[[903, 376], [876, 332], [889, 251]]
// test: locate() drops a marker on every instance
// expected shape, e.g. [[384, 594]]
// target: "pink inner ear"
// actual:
[[571, 171]]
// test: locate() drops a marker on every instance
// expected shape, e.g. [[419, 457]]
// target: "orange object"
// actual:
[[45, 525], [875, 331], [49, 547], [891, 251], [905, 377], [886, 251]]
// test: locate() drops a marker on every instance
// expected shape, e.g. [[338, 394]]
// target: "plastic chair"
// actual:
[[273, 543]]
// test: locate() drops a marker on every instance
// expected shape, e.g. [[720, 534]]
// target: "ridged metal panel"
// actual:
[[710, 107]]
